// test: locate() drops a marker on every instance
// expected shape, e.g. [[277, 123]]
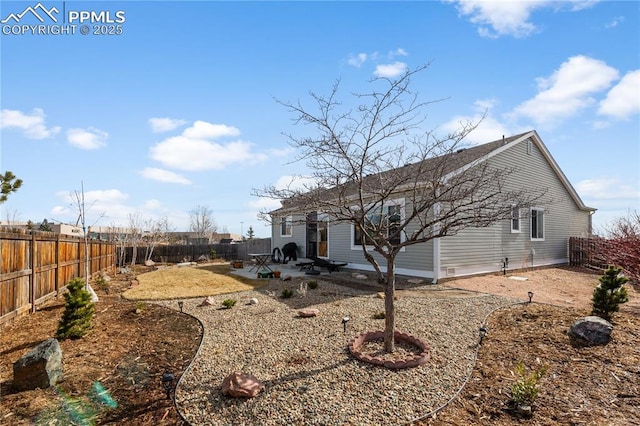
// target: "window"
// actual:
[[537, 224], [384, 221], [286, 226], [515, 219]]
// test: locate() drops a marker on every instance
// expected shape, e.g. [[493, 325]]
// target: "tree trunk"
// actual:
[[389, 307]]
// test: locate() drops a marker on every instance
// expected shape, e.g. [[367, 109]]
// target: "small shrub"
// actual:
[[102, 283], [228, 303], [78, 311], [213, 253], [313, 285], [140, 307], [286, 293], [525, 390], [379, 315], [610, 293]]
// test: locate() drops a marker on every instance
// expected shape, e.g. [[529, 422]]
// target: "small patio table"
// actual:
[[261, 261]]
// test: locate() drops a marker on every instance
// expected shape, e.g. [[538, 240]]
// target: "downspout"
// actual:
[[436, 247]]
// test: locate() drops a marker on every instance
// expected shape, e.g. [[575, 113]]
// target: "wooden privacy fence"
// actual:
[[588, 252], [36, 265], [192, 253]]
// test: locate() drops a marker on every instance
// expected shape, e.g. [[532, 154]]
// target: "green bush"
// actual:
[[78, 311], [102, 283], [228, 303], [525, 390], [313, 285], [140, 307], [213, 254], [610, 293], [286, 293]]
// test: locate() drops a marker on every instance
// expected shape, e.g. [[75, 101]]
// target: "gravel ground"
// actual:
[[309, 376]]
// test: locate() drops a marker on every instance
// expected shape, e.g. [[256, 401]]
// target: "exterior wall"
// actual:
[[478, 250], [416, 260], [298, 234]]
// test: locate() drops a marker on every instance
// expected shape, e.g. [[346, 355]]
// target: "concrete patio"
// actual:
[[250, 271]]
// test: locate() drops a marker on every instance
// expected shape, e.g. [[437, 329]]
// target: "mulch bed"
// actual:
[[126, 352]]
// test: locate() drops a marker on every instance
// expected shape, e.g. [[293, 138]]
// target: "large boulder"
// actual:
[[593, 330], [242, 385], [40, 368]]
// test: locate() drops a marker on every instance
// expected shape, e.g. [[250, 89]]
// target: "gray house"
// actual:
[[535, 237]]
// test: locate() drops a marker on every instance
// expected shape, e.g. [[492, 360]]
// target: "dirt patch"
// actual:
[[568, 287]]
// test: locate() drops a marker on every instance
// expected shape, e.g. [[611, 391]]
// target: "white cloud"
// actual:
[[499, 18], [489, 129], [607, 188], [398, 52], [623, 100], [567, 91], [390, 70], [162, 175], [204, 130], [105, 207], [357, 60], [159, 125], [615, 22], [90, 138], [32, 125], [196, 150]]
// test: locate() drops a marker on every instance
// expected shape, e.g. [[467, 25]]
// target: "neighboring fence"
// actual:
[[192, 253], [587, 252], [36, 265]]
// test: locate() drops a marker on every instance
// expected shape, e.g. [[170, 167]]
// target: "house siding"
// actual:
[[479, 250], [416, 260], [298, 235]]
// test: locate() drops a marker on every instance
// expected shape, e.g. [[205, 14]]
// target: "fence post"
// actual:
[[32, 278], [57, 260]]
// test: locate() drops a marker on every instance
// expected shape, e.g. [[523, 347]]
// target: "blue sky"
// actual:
[[178, 110]]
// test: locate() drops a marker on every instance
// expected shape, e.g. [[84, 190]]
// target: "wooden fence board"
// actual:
[[34, 266]]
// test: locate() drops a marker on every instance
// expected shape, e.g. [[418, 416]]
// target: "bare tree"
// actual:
[[621, 246], [202, 222], [362, 159], [78, 200], [157, 231], [135, 235], [121, 238]]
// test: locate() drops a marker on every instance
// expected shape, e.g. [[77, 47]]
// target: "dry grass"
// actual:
[[188, 282]]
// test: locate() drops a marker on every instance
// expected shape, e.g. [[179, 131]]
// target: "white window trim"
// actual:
[[519, 218], [288, 223], [397, 202], [544, 222]]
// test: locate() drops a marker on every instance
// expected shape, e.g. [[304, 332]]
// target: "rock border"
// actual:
[[408, 362]]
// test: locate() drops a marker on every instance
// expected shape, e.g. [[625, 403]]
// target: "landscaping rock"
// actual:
[[253, 301], [286, 278], [361, 277], [594, 330], [209, 301], [149, 262], [40, 368], [415, 281], [242, 385], [308, 313]]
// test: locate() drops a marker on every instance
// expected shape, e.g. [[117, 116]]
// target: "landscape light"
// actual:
[[530, 294], [167, 383], [345, 320], [483, 333], [180, 304]]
